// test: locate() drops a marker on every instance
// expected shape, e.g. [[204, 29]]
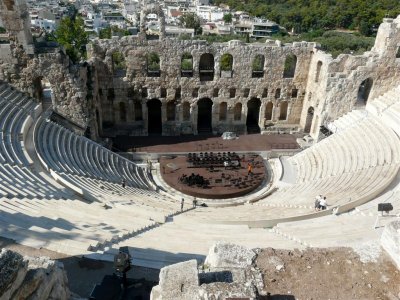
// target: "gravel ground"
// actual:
[[331, 273]]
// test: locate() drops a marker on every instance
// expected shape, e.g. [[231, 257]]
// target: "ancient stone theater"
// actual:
[[125, 147]]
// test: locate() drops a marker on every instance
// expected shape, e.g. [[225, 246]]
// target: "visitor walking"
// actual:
[[249, 169], [182, 203], [194, 202], [123, 183]]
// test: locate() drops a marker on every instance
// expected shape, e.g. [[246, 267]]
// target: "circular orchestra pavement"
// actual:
[[213, 175]]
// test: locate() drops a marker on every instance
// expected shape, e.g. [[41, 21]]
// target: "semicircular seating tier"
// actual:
[[17, 179], [349, 167], [87, 167]]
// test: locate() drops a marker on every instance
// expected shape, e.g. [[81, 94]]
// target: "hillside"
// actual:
[[306, 15]]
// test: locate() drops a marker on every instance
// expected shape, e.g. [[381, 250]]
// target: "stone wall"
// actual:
[[31, 278], [111, 92], [130, 86]]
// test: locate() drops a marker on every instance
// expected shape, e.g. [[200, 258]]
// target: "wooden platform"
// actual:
[[224, 183]]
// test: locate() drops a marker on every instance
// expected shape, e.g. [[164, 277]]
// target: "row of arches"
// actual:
[[204, 113], [206, 65]]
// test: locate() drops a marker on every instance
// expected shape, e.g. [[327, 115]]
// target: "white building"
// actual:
[[211, 13]]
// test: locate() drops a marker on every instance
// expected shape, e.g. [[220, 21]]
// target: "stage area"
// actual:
[[201, 143], [213, 175]]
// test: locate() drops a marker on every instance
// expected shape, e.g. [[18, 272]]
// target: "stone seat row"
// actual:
[[353, 149], [108, 190], [17, 178], [83, 227], [347, 120], [65, 152], [339, 190]]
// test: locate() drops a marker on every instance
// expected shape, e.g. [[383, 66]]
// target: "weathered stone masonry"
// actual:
[[119, 91]]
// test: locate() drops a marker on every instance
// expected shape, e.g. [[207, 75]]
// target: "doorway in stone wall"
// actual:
[[309, 119], [154, 117], [204, 115], [364, 91], [43, 92], [253, 114]]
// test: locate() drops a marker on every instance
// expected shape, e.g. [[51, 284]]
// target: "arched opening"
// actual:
[[138, 111], [237, 112], [187, 65], [258, 66], [283, 110], [319, 66], [153, 65], [364, 90], [309, 119], [186, 111], [253, 114], [171, 105], [119, 65], [152, 26], [206, 67], [268, 110], [223, 110], [43, 92], [290, 66], [154, 116], [204, 115], [226, 65], [122, 112]]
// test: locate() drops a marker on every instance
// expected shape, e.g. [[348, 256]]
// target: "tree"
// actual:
[[191, 20], [226, 62], [71, 34], [228, 18]]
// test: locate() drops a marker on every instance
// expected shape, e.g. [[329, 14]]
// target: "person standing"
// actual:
[[194, 202], [317, 201], [182, 203]]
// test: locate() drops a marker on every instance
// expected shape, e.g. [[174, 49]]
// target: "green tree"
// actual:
[[153, 62], [228, 18], [72, 36], [187, 62], [226, 62], [105, 33], [191, 20]]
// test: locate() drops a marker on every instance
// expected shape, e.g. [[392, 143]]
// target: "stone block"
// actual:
[[179, 280], [227, 255], [390, 241]]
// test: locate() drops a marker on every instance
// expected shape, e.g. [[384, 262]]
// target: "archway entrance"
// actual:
[[310, 116], [204, 115], [154, 116], [43, 92], [364, 90], [253, 113]]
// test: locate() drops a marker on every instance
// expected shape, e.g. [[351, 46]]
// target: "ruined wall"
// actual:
[[337, 90], [112, 91], [130, 86], [68, 81], [31, 278]]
